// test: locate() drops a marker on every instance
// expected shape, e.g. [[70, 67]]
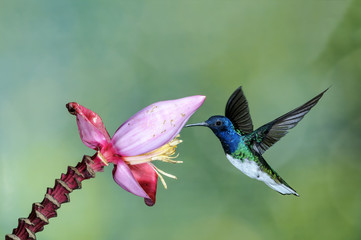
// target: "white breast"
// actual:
[[252, 170]]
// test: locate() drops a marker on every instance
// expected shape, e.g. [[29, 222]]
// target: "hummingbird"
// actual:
[[244, 146]]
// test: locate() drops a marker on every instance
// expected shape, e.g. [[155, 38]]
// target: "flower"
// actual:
[[152, 134]]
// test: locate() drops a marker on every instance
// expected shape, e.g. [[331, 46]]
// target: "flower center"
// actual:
[[164, 154]]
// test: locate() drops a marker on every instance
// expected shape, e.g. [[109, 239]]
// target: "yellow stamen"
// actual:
[[159, 175], [160, 172], [167, 174], [102, 158], [165, 154]]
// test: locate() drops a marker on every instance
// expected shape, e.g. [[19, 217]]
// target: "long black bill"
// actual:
[[197, 124]]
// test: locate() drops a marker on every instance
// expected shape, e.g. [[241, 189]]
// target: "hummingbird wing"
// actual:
[[268, 134], [237, 111]]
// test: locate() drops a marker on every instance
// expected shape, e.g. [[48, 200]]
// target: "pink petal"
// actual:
[[154, 126], [140, 180], [91, 128]]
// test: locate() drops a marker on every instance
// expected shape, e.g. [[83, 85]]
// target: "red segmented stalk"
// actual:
[[54, 197]]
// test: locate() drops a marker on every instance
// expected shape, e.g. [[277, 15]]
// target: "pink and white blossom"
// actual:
[[149, 135]]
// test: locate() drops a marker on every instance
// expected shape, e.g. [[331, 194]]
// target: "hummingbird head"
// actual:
[[218, 124], [223, 128]]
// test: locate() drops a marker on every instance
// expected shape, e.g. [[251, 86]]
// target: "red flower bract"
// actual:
[[147, 136]]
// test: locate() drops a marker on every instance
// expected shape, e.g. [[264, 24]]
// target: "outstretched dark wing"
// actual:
[[237, 111], [267, 135]]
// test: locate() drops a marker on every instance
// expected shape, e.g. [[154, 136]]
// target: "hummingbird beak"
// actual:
[[197, 124]]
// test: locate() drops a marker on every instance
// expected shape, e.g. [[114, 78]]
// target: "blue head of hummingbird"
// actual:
[[244, 146]]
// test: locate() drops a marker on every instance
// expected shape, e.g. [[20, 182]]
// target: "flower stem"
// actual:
[[54, 197]]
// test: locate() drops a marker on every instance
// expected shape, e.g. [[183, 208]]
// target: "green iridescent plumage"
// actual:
[[244, 152], [244, 146]]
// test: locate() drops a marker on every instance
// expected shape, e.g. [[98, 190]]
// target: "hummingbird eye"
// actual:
[[218, 123]]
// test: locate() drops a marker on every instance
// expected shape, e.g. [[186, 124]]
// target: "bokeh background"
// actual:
[[116, 57]]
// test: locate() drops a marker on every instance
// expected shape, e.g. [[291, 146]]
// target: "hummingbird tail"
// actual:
[[282, 188]]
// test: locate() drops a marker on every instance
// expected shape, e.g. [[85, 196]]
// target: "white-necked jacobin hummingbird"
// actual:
[[244, 147]]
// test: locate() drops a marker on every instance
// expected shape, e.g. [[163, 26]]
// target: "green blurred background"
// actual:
[[116, 57]]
